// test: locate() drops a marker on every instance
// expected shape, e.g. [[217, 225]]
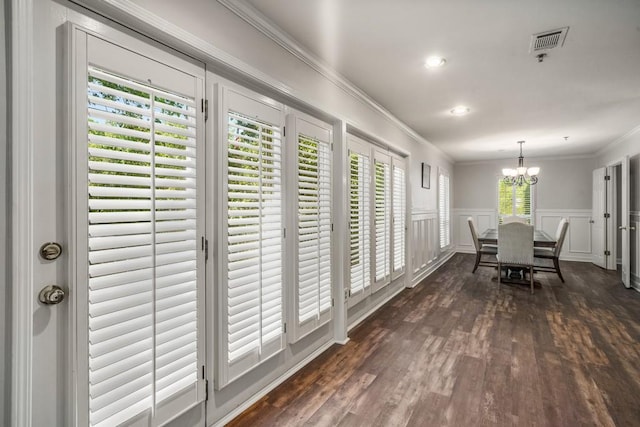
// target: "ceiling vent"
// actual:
[[548, 40]]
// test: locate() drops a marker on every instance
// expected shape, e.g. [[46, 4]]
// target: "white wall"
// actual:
[[5, 307]]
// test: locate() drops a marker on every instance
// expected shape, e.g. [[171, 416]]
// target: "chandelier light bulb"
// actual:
[[435, 62], [521, 175]]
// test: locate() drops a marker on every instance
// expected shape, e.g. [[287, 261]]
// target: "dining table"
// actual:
[[540, 238]]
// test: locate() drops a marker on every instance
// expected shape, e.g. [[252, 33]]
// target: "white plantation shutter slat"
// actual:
[[313, 168], [399, 217], [254, 224], [359, 221], [142, 242], [382, 218]]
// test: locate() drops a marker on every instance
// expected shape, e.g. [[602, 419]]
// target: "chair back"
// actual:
[[474, 233], [515, 243], [560, 235], [514, 218]]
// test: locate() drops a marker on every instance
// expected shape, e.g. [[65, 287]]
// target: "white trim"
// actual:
[[23, 256], [275, 383], [256, 19], [618, 141], [433, 267]]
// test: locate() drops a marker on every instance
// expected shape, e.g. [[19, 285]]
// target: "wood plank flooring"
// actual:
[[455, 351]]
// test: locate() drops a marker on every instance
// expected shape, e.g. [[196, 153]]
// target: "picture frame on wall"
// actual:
[[426, 175]]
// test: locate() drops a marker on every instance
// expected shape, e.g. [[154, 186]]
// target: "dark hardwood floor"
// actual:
[[454, 351]]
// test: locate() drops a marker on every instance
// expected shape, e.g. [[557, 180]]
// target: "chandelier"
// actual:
[[521, 174]]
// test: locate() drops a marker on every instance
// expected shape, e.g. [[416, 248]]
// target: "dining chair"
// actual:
[[553, 253], [514, 218], [481, 249], [515, 248]]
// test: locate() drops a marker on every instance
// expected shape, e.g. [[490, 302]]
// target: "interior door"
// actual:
[[598, 220]]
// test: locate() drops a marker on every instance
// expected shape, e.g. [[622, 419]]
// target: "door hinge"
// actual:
[[205, 248], [284, 328], [347, 293], [333, 302], [607, 215], [206, 390], [205, 108], [284, 131], [332, 227], [607, 253], [284, 233], [607, 177]]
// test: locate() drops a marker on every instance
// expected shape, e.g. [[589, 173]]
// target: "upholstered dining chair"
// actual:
[[553, 253], [515, 248], [513, 218], [481, 249]]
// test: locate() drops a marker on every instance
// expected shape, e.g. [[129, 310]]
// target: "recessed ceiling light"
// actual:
[[434, 62], [460, 110]]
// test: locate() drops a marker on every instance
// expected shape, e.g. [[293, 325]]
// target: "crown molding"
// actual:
[[260, 22], [618, 141], [541, 159]]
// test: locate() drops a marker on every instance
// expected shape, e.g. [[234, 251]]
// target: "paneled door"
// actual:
[[598, 220]]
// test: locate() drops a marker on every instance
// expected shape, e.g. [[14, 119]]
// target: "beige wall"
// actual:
[[5, 307]]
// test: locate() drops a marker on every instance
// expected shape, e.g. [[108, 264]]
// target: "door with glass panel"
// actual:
[[136, 207]]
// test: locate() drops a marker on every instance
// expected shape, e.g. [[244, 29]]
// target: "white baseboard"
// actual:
[[373, 309], [431, 268]]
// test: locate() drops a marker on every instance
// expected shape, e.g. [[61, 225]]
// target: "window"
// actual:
[[139, 277], [383, 219], [399, 216], [359, 220], [252, 246], [313, 292], [514, 200], [444, 209]]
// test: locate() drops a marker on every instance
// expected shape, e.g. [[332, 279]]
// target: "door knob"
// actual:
[[51, 294]]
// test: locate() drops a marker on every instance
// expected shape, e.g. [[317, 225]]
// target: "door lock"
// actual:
[[51, 294], [50, 251]]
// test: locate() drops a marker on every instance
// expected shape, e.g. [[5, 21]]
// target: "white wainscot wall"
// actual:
[[425, 246], [577, 243], [634, 241], [484, 219]]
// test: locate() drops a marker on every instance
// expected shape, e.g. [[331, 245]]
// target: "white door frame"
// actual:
[[23, 256], [612, 207]]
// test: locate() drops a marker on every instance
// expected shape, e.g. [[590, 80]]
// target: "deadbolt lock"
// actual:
[[50, 251]]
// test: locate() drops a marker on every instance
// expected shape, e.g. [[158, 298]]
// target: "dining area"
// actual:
[[517, 250]]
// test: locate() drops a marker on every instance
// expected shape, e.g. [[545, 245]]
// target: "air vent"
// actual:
[[548, 40]]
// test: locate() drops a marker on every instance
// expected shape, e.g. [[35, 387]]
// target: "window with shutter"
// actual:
[[313, 293], [515, 200], [359, 220], [399, 196], [382, 217], [140, 183], [252, 303], [444, 211]]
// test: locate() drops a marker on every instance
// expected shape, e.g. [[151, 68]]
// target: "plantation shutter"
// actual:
[[383, 219], [359, 220], [252, 303], [313, 299], [141, 187], [444, 209], [399, 196]]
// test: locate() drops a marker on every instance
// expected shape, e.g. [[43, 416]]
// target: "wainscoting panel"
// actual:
[[425, 246], [484, 219], [577, 244], [634, 242]]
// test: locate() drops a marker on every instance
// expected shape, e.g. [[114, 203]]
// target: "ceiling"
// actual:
[[588, 89]]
